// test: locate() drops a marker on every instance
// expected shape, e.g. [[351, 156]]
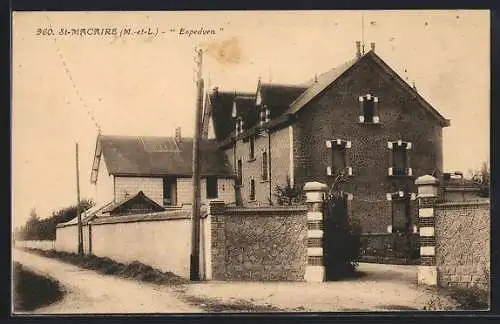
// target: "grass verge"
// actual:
[[32, 291], [134, 270]]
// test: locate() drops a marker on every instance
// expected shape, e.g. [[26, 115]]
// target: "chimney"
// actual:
[[372, 45], [178, 137], [358, 49]]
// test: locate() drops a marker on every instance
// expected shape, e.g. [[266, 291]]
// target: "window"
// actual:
[[252, 190], [400, 211], [338, 158], [399, 162], [251, 153], [368, 105], [212, 190], [169, 191], [239, 173], [264, 166], [264, 114]]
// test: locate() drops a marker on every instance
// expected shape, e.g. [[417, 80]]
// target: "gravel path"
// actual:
[[90, 292], [382, 288]]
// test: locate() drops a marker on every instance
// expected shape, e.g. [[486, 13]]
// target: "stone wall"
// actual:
[[463, 243], [258, 244], [33, 244]]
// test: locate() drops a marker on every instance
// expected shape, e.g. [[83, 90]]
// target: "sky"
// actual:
[[64, 87]]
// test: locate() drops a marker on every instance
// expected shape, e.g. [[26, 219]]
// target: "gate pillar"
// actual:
[[315, 196], [427, 195]]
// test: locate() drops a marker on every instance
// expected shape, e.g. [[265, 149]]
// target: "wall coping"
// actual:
[[386, 234], [137, 218], [265, 210], [477, 203]]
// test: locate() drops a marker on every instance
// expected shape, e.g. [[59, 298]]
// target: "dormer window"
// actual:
[[338, 158], [264, 114], [368, 109], [239, 126], [399, 160]]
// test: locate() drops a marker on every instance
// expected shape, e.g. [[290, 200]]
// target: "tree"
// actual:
[[289, 194], [481, 177], [45, 229]]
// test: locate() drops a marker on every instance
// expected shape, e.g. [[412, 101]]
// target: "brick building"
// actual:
[[359, 119], [160, 167]]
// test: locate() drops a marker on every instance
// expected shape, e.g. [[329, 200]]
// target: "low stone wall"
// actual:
[[41, 245], [258, 244], [462, 233]]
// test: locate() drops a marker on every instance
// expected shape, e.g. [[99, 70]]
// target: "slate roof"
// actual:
[[160, 156], [284, 101], [278, 97], [222, 108]]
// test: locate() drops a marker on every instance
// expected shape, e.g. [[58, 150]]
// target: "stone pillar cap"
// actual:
[[426, 180], [315, 186]]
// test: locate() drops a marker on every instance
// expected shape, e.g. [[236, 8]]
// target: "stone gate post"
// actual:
[[315, 196], [428, 188]]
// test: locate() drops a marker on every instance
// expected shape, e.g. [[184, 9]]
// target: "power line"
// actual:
[[71, 79]]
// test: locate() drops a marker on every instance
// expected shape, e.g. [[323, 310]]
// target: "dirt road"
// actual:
[[91, 292]]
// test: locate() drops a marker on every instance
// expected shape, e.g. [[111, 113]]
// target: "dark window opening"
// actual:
[[212, 190], [169, 191], [252, 189], [399, 159], [368, 109], [400, 216], [338, 159], [251, 154], [239, 173], [264, 166]]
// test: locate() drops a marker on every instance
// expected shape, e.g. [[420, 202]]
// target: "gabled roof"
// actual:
[[127, 203], [222, 107], [333, 75], [159, 156]]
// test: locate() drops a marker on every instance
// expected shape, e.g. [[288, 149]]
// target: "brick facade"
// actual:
[[334, 114], [259, 244], [153, 188]]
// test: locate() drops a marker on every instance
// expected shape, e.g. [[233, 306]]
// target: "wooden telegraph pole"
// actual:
[[80, 232], [195, 233]]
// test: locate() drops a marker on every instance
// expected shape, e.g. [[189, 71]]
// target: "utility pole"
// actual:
[[195, 217], [80, 232]]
